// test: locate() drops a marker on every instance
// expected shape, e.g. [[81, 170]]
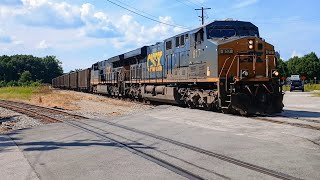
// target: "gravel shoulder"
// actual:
[[10, 120], [88, 105]]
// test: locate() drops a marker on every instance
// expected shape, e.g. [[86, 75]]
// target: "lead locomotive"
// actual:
[[224, 66]]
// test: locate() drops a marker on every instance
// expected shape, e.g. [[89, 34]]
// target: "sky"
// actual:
[[82, 32]]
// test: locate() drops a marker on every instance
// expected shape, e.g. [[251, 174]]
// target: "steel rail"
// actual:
[[51, 110], [29, 113]]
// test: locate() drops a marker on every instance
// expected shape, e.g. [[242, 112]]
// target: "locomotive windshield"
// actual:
[[219, 33], [220, 29]]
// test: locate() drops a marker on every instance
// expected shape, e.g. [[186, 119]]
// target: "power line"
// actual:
[[198, 5], [182, 2], [173, 25], [136, 9]]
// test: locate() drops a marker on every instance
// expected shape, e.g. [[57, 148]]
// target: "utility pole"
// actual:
[[202, 13]]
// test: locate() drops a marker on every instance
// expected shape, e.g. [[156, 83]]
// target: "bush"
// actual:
[[3, 84], [25, 77], [12, 83], [35, 84]]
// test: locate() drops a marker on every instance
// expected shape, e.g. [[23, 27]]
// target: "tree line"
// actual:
[[25, 69], [307, 66]]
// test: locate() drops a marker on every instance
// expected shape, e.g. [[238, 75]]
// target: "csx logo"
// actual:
[[153, 61]]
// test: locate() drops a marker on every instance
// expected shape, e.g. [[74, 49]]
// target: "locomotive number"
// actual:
[[226, 51]]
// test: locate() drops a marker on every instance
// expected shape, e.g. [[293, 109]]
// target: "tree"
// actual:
[[42, 69], [308, 65], [282, 68], [25, 77]]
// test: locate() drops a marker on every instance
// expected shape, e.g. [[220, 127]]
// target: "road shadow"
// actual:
[[52, 145], [301, 114], [7, 118], [6, 142]]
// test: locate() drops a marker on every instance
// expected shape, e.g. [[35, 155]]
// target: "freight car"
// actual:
[[73, 78], [84, 80], [79, 80], [223, 65]]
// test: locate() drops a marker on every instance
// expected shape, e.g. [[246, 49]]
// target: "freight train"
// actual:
[[223, 65]]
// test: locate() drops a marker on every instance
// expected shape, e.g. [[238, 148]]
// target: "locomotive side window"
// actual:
[[177, 41], [168, 45], [95, 67], [199, 36], [182, 40]]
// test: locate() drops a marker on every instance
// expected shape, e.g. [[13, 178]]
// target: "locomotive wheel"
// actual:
[[226, 110], [208, 107]]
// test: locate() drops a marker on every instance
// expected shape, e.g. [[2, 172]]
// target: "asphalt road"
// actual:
[[99, 149]]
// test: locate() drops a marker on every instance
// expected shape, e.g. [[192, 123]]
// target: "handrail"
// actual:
[[267, 63], [230, 66], [228, 72], [224, 65]]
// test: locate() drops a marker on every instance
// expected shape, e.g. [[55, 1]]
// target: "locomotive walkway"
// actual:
[[165, 143]]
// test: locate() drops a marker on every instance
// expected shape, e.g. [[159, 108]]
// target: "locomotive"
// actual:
[[223, 65]]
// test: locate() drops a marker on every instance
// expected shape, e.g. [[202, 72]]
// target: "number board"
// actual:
[[226, 51]]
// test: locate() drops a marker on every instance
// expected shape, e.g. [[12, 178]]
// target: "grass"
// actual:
[[307, 87], [22, 93]]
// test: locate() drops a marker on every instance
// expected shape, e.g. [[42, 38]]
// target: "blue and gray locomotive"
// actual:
[[224, 66]]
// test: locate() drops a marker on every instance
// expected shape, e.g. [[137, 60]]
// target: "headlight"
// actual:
[[275, 73], [250, 46], [251, 42]]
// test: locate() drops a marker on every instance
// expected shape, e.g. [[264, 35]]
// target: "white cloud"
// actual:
[[43, 45], [295, 53], [84, 21], [97, 24], [46, 13], [135, 33], [244, 3]]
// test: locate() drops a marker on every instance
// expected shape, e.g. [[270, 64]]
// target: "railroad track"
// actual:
[[30, 113], [300, 125], [47, 115], [30, 110]]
